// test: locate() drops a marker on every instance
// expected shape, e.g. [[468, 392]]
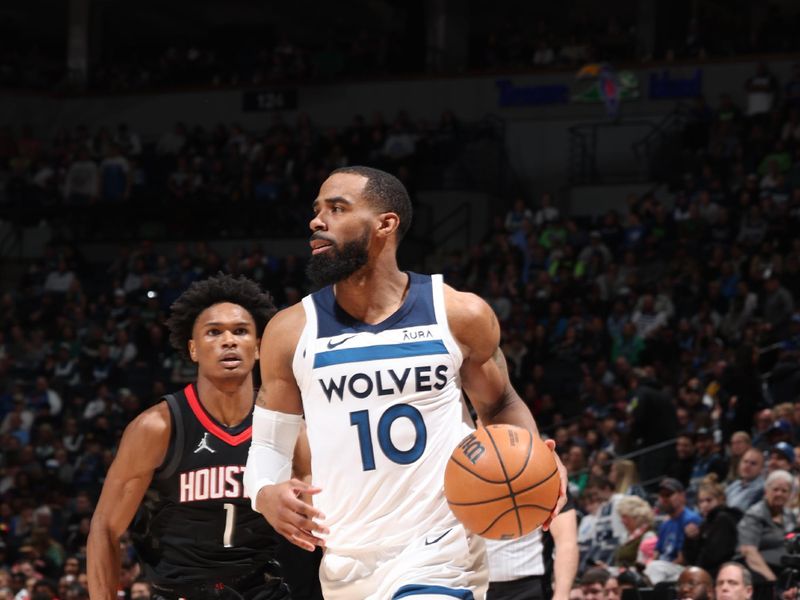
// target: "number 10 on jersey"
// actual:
[[361, 420]]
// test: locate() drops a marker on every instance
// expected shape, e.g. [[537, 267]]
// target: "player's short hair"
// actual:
[[215, 290], [386, 193]]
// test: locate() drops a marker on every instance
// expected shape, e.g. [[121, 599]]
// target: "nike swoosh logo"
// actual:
[[332, 344], [429, 542]]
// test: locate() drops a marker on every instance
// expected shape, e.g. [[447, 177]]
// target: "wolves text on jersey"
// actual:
[[212, 483], [385, 382]]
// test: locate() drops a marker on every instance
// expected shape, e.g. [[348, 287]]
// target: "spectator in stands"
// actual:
[[128, 141], [596, 248], [707, 459], [400, 143], [612, 588], [741, 385], [695, 583], [115, 176], [690, 397], [781, 457], [123, 351], [547, 212], [636, 549], [734, 582], [601, 535], [517, 214], [762, 425], [741, 310], [140, 590], [45, 401], [648, 320], [545, 54], [82, 180], [576, 593], [653, 422], [764, 525], [748, 488], [184, 182], [625, 477], [712, 542], [19, 420], [593, 583], [672, 500], [575, 461], [778, 305], [60, 280], [172, 142], [628, 344], [762, 89], [72, 438], [681, 468]]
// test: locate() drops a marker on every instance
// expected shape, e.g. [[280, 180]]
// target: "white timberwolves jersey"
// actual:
[[383, 410]]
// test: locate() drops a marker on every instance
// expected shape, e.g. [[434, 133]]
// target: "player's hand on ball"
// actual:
[[296, 520], [562, 496]]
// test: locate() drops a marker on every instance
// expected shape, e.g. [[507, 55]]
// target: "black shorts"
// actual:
[[255, 586], [525, 588]]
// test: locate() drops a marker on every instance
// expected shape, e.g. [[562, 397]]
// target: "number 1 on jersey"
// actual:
[[360, 419], [230, 522]]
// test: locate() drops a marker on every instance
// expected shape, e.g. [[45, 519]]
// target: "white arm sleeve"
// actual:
[[269, 460]]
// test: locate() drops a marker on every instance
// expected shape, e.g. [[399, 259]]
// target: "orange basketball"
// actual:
[[502, 482]]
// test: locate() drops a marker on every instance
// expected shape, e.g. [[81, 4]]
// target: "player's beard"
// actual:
[[339, 262]]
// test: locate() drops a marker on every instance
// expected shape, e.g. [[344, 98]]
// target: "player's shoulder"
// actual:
[[284, 329], [465, 308], [151, 424], [145, 442], [287, 319], [472, 322]]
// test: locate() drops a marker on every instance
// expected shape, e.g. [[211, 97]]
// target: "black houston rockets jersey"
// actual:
[[195, 522], [384, 412]]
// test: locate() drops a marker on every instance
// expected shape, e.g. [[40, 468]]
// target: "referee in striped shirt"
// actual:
[[538, 566]]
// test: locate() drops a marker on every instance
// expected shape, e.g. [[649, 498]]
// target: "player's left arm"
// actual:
[[484, 373], [564, 529]]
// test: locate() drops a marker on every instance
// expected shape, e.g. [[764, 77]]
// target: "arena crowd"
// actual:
[[658, 345]]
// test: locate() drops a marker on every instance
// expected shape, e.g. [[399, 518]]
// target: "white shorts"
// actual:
[[450, 563]]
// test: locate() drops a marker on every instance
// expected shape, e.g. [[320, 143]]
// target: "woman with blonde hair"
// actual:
[[637, 517], [625, 477], [713, 542]]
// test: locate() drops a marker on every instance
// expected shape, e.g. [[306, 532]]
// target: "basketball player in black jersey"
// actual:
[[181, 462]]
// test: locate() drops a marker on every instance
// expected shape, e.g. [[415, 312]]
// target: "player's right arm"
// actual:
[[141, 451], [277, 421]]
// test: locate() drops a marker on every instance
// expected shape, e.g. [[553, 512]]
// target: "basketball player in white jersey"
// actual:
[[376, 361]]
